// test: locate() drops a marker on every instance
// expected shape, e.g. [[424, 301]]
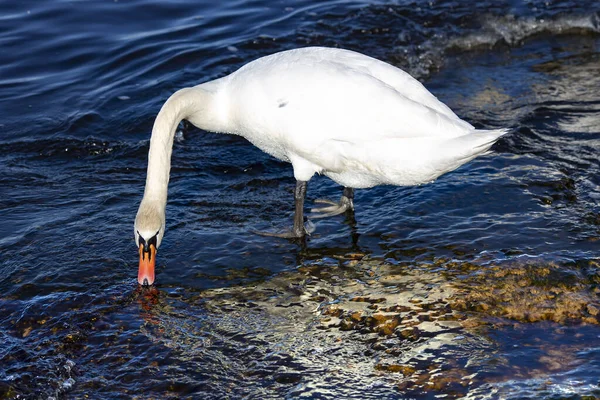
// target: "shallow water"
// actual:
[[484, 284]]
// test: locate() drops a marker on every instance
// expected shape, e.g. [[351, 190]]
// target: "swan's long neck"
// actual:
[[196, 104]]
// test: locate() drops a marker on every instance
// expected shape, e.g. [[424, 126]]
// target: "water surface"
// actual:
[[484, 283]]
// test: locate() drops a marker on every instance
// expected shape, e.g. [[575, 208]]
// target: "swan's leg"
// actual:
[[346, 203], [299, 196], [298, 229]]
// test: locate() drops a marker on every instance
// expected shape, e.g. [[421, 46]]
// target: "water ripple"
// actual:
[[482, 283]]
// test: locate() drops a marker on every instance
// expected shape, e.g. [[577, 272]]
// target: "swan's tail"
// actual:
[[465, 148], [460, 150], [487, 137]]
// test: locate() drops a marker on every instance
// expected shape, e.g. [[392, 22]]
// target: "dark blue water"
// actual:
[[489, 277]]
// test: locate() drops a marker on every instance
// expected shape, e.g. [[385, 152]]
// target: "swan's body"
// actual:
[[355, 119]]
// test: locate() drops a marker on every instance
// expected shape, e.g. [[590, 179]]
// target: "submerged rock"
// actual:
[[530, 293]]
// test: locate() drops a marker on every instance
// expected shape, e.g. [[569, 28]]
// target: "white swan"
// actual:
[[355, 119]]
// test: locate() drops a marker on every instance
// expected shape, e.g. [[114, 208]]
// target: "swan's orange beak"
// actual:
[[147, 262]]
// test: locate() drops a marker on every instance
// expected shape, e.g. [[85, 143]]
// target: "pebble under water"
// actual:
[[484, 284]]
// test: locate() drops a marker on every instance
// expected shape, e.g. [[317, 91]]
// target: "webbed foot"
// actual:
[[345, 204]]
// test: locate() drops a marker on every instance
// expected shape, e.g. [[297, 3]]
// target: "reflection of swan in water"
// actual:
[[334, 112]]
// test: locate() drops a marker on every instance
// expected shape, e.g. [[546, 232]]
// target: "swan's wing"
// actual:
[[301, 99], [388, 74], [395, 77]]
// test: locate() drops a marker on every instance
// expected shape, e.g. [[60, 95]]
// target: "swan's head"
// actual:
[[149, 229]]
